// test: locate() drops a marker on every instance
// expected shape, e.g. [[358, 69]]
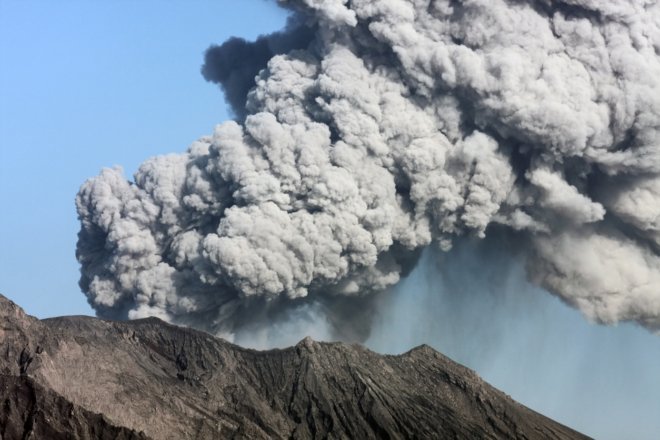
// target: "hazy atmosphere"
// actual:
[[469, 175]]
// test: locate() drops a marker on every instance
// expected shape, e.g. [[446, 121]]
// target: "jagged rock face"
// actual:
[[30, 411], [178, 383]]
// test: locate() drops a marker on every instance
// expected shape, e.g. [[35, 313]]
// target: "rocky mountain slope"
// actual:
[[31, 411], [152, 380]]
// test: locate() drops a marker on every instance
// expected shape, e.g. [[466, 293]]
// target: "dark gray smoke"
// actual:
[[235, 63], [376, 128]]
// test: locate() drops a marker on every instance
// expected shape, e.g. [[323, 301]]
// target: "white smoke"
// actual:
[[379, 127]]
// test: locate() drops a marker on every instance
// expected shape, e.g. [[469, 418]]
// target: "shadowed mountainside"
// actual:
[[150, 379], [30, 411]]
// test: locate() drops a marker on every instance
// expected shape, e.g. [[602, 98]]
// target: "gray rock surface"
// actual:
[[177, 383], [30, 411]]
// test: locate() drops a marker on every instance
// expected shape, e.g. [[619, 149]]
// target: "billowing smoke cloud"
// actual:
[[376, 128], [236, 62]]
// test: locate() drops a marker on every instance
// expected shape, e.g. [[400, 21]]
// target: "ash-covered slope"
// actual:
[[178, 383], [30, 411]]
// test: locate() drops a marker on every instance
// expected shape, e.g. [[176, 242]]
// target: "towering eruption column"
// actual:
[[368, 130]]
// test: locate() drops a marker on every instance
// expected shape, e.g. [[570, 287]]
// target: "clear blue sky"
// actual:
[[91, 84], [88, 84]]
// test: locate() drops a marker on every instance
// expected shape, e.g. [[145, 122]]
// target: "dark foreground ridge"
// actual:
[[85, 378], [31, 411]]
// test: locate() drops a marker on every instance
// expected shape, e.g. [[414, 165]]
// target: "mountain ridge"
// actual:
[[162, 381]]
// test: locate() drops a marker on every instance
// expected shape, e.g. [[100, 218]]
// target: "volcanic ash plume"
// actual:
[[370, 129]]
